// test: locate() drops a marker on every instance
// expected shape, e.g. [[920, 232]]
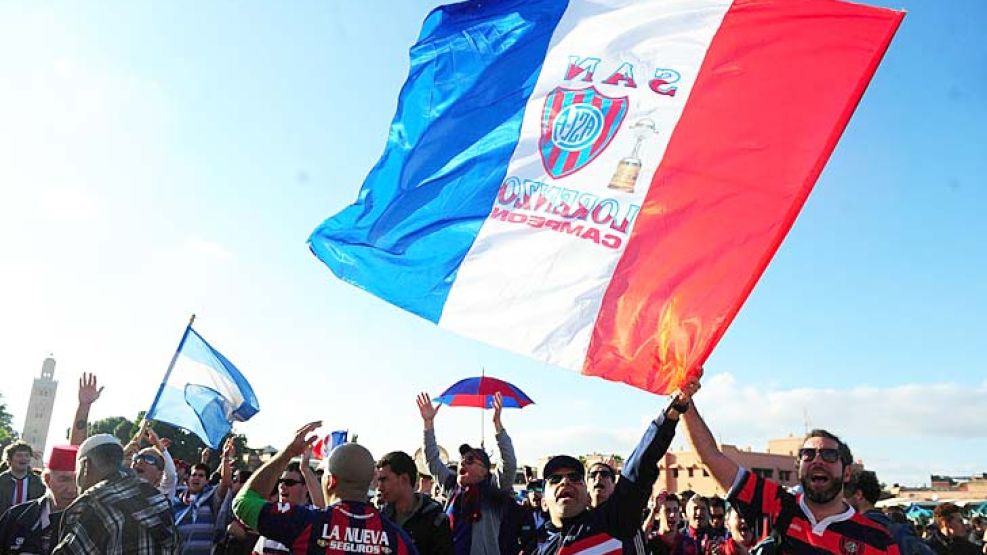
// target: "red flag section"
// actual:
[[775, 91]]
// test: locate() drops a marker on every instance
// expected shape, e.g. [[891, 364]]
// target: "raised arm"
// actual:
[[508, 467], [253, 495], [312, 483], [436, 467], [721, 467], [88, 394], [226, 467], [169, 481]]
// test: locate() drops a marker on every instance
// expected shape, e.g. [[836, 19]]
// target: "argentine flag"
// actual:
[[203, 392]]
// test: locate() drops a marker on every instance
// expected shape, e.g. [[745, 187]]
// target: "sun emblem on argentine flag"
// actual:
[[577, 126]]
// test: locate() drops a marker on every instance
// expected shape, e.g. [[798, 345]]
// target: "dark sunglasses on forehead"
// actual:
[[808, 454], [289, 482], [573, 477], [147, 459], [601, 474]]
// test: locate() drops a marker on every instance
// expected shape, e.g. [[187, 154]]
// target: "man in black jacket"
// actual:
[[612, 526], [421, 517], [952, 531]]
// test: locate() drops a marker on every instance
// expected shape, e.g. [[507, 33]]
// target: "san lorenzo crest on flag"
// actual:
[[577, 126]]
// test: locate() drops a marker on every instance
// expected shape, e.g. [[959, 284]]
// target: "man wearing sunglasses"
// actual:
[[612, 526], [485, 518], [348, 523], [818, 520]]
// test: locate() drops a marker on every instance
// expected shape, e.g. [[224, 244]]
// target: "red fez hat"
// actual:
[[62, 458]]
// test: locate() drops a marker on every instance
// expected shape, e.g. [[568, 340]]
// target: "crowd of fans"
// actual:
[[98, 495]]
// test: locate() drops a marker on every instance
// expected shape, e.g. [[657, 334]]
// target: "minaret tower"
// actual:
[[39, 410]]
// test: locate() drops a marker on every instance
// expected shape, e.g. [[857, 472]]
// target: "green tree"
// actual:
[[116, 425], [7, 433], [185, 445]]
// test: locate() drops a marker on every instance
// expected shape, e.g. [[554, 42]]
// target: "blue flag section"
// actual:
[[203, 392], [457, 124]]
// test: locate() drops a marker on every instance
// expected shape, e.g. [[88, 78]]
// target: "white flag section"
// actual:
[[203, 392]]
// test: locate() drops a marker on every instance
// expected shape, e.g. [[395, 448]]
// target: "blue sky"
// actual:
[[159, 159]]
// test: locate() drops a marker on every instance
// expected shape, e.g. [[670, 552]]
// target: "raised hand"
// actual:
[[164, 443], [498, 406], [302, 439], [306, 457], [88, 390], [204, 456], [426, 408], [152, 437], [685, 393], [229, 449]]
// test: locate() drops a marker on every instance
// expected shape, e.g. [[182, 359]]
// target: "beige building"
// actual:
[[682, 470], [953, 488], [39, 409]]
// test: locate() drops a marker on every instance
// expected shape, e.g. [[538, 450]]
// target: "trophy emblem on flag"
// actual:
[[625, 177]]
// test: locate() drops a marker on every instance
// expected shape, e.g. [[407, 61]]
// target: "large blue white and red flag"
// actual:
[[599, 184]]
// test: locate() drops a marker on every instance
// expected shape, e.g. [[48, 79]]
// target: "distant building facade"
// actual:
[[952, 488], [39, 409]]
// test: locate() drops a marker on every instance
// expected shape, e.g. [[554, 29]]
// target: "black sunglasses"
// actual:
[[808, 454], [290, 482], [601, 473], [573, 477], [148, 459]]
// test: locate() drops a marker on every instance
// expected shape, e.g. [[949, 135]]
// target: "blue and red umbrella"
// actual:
[[479, 392]]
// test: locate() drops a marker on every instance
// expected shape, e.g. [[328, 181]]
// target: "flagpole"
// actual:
[[171, 366], [483, 373]]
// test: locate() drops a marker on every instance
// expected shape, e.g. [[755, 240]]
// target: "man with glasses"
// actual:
[[815, 521], [602, 480], [716, 532], [486, 520], [153, 464], [611, 527], [292, 490], [348, 523]]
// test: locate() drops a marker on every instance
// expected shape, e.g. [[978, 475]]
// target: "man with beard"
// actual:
[[32, 527], [613, 526], [814, 521]]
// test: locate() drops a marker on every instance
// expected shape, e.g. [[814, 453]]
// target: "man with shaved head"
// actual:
[[348, 524]]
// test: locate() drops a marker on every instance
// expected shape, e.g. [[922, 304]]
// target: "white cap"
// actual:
[[95, 441]]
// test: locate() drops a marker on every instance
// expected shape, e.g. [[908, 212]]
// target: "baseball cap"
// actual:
[[465, 449], [562, 461]]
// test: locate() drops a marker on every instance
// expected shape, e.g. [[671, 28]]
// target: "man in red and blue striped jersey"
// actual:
[[816, 521], [349, 524]]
